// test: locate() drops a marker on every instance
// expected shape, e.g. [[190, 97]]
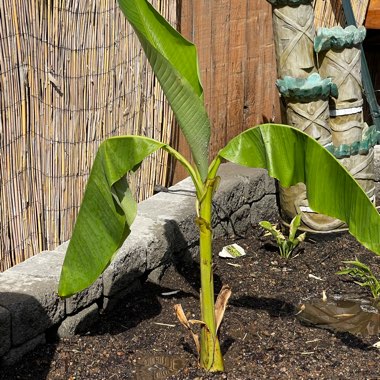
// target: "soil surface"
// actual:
[[261, 335]]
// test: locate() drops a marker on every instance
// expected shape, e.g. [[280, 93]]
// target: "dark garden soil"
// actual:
[[261, 336]]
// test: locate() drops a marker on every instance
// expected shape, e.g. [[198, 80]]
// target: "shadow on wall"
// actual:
[[46, 355], [23, 324]]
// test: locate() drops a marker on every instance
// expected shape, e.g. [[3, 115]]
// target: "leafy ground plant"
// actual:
[[108, 208], [285, 245], [362, 276]]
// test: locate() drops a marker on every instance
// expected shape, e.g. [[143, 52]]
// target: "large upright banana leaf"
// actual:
[[174, 62]]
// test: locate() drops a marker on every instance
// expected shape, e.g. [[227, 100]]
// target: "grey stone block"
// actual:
[[32, 302], [164, 229], [159, 245], [85, 297], [79, 323], [228, 198], [63, 247], [256, 180], [5, 331], [177, 209], [221, 229], [16, 353], [128, 264], [240, 222], [156, 274], [110, 302], [46, 264], [147, 247], [184, 187], [264, 209], [240, 185]]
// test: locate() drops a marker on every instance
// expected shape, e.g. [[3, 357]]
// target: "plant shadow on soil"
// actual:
[[261, 337]]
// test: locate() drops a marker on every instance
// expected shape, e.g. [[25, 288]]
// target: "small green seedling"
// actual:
[[285, 245], [363, 276]]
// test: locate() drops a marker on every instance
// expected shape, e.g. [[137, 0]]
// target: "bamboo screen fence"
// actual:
[[71, 74], [330, 13]]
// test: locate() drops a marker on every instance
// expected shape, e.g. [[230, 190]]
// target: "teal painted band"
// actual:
[[307, 89], [338, 37], [358, 147]]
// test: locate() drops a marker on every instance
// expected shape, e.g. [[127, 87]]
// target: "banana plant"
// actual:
[[363, 276], [285, 245], [108, 208]]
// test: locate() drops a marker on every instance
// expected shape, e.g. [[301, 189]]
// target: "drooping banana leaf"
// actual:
[[106, 214], [292, 157], [174, 62]]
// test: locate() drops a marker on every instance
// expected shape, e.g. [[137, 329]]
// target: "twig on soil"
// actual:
[[164, 324], [234, 265], [313, 341], [315, 277]]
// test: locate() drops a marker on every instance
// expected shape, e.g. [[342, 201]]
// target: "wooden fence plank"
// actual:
[[236, 63], [372, 20]]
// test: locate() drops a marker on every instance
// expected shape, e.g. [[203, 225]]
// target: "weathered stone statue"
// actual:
[[307, 106], [293, 28], [330, 110], [339, 57]]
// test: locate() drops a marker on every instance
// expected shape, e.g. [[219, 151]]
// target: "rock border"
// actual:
[[164, 230]]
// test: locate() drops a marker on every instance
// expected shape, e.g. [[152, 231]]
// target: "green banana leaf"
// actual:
[[106, 214], [292, 157], [174, 62]]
